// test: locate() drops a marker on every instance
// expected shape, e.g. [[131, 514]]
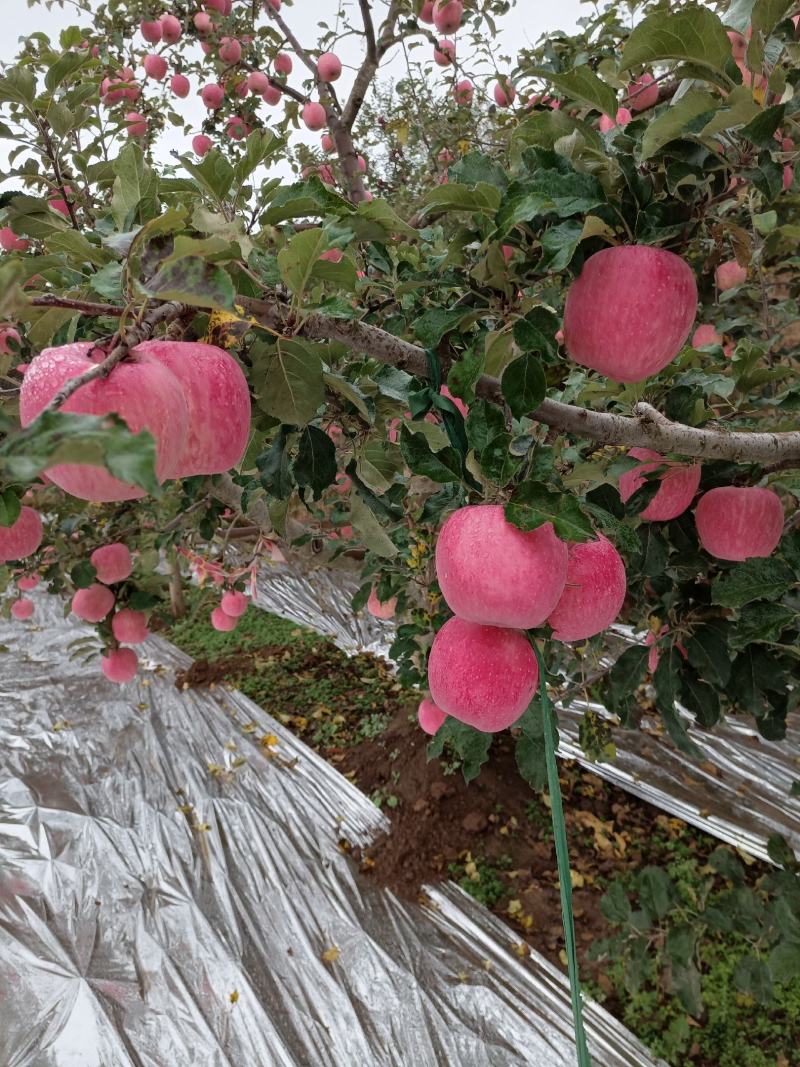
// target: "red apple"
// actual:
[[485, 676], [677, 490], [120, 665], [155, 67], [314, 116], [212, 96], [381, 609], [223, 622], [444, 53], [594, 592], [113, 563], [234, 603], [23, 537], [230, 50], [129, 626], [22, 608], [151, 31], [92, 604], [329, 67], [283, 63], [140, 390], [136, 124], [730, 274], [463, 92], [622, 118], [171, 29], [257, 82], [28, 582], [426, 14], [706, 335], [202, 22], [447, 15], [430, 717], [9, 241], [629, 312], [202, 144], [490, 572], [327, 143], [504, 93], [180, 85], [643, 93], [739, 523], [272, 96]]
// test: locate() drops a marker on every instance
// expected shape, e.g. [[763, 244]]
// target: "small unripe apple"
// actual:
[[706, 335], [381, 609], [201, 144], [493, 573], [594, 592], [120, 665], [739, 523], [22, 538], [642, 93], [504, 93], [151, 31], [283, 63], [430, 717], [444, 52], [730, 274], [113, 563], [485, 676], [234, 603], [314, 116], [155, 67], [22, 608], [221, 621], [257, 82], [447, 15], [630, 311], [136, 124], [329, 67], [230, 50], [212, 96], [180, 85], [171, 29], [464, 92], [272, 96], [677, 490], [129, 626], [92, 604]]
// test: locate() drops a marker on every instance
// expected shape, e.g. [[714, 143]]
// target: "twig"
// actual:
[[301, 98], [85, 306]]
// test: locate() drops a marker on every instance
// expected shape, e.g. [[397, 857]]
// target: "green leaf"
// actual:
[[761, 130], [377, 465], [373, 534], [441, 466], [260, 146], [294, 387], [765, 17], [761, 622], [134, 183], [559, 244], [550, 190], [546, 128], [484, 199], [351, 393], [431, 326], [213, 173], [582, 84], [667, 682], [686, 984], [615, 906], [380, 212], [65, 66], [673, 121], [83, 574], [273, 467], [755, 579], [470, 745], [708, 652], [77, 247], [656, 892], [524, 385], [315, 465], [476, 168], [529, 753], [10, 507], [298, 259], [18, 85], [533, 504], [694, 34], [699, 698], [192, 280], [784, 962], [305, 198], [484, 422], [752, 976]]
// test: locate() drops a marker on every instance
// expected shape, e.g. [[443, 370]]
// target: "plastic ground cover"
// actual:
[[739, 792], [173, 894]]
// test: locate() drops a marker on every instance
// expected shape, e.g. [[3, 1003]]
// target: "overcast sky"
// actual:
[[521, 27]]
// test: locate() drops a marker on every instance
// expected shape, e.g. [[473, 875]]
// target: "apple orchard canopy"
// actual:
[[151, 913]]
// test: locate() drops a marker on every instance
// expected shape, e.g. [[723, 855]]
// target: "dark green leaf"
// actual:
[[667, 682], [442, 466], [10, 507], [475, 168], [615, 906], [193, 280], [534, 504], [559, 244], [273, 467], [83, 574], [694, 34], [708, 653], [752, 976], [524, 385], [294, 386], [699, 698], [484, 422], [583, 85], [470, 745], [656, 892], [315, 465], [755, 579]]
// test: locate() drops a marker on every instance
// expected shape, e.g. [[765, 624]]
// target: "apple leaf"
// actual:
[[193, 280], [315, 465], [524, 385], [533, 504], [294, 386], [694, 34], [582, 84]]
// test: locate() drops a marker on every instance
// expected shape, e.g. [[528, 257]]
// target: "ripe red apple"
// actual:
[[212, 96], [490, 572], [504, 93], [739, 523], [23, 537], [594, 592], [642, 93], [92, 604], [445, 156], [459, 403], [738, 45], [202, 22], [140, 390], [430, 717], [155, 67], [706, 335], [447, 15], [730, 274], [113, 563], [274, 4], [272, 96], [27, 582], [180, 85], [464, 92], [201, 144], [283, 63], [217, 396], [129, 626], [314, 116], [622, 118], [237, 128], [629, 312], [381, 609], [171, 29], [333, 255], [329, 67], [223, 7], [426, 14], [223, 622], [136, 124], [9, 241], [788, 176], [22, 608], [151, 31], [327, 143], [120, 665], [675, 493], [482, 675], [234, 603], [257, 82], [444, 53], [230, 50]]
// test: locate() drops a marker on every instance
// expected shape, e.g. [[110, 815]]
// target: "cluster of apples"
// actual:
[[192, 397], [226, 615], [482, 669]]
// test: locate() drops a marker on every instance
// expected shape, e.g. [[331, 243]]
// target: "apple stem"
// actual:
[[562, 856]]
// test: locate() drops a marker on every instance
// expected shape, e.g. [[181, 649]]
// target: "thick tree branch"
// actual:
[[376, 50], [648, 429]]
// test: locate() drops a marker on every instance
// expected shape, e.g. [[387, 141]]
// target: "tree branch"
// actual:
[[86, 306], [647, 429], [376, 50]]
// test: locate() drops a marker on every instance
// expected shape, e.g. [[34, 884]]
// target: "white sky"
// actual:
[[520, 28]]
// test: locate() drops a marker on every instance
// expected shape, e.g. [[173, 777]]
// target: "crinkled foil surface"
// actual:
[[739, 792], [172, 893]]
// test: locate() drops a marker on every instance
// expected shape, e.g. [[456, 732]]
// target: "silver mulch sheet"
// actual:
[[740, 793], [172, 895]]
